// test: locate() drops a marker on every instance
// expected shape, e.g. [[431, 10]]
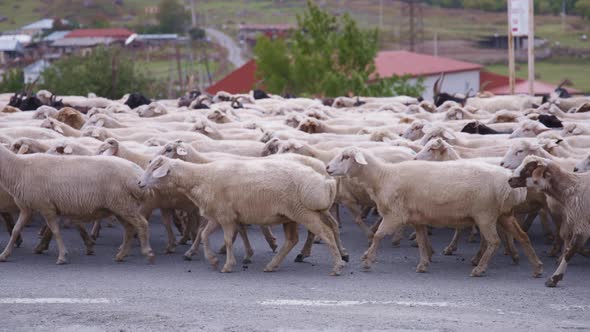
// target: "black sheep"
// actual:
[[550, 121], [260, 94], [478, 128], [137, 99]]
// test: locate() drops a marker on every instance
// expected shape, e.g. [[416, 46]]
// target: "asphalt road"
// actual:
[[93, 293], [234, 52]]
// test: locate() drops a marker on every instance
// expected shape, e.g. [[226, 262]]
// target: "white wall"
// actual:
[[459, 82]]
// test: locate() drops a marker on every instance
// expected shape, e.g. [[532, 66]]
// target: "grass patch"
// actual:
[[553, 72]]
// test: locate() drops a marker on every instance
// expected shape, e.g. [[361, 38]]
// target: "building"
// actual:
[[10, 49], [82, 41], [500, 85], [33, 71], [39, 27], [248, 33], [151, 40], [460, 77]]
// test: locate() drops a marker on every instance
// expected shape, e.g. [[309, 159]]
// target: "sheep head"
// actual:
[[218, 116], [100, 134], [456, 113], [532, 173], [518, 151], [44, 112], [206, 128], [572, 129], [10, 109], [27, 146], [110, 147], [293, 120], [272, 146], [437, 132], [61, 148], [156, 172], [529, 128], [152, 110], [52, 124], [174, 150], [347, 162], [415, 131], [71, 117], [294, 146], [310, 126], [437, 150], [583, 165]]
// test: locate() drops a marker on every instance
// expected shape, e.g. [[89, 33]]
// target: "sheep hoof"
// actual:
[[346, 258], [226, 270], [269, 269], [472, 239], [366, 264], [414, 244], [317, 240], [170, 250], [515, 259], [3, 258], [274, 247], [187, 257], [90, 252], [412, 236], [222, 251], [119, 259], [396, 243], [61, 261], [553, 280], [477, 272], [151, 258], [335, 273], [475, 261], [19, 241], [421, 268], [299, 258], [38, 251], [247, 260], [448, 251]]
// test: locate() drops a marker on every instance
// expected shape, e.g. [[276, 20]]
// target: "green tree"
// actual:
[[326, 56], [106, 71], [172, 17], [12, 81], [583, 7]]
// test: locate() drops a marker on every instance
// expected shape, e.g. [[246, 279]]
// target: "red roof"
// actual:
[[241, 80], [112, 33], [499, 85], [389, 63]]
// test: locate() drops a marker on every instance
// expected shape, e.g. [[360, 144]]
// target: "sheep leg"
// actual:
[[560, 230], [269, 237], [128, 234], [23, 219], [178, 223], [507, 239], [247, 244], [473, 235], [88, 242], [357, 218], [53, 224], [209, 254], [142, 227], [229, 229], [306, 250], [526, 225], [95, 232], [192, 221], [547, 232], [452, 247], [576, 243], [397, 237], [423, 245], [335, 210], [167, 220], [312, 220], [291, 239], [10, 226], [329, 220], [487, 228], [388, 226], [511, 226], [43, 241], [196, 242]]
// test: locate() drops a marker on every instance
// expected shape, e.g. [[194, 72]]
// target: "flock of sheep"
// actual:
[[488, 164]]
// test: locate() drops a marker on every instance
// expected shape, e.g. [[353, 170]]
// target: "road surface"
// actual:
[[93, 293], [234, 52]]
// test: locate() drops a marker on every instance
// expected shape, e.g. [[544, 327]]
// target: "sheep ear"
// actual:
[[95, 133], [577, 131], [559, 141], [161, 171], [297, 145], [157, 110], [181, 151], [448, 135], [100, 123], [23, 149], [68, 149], [360, 158], [538, 173], [208, 130]]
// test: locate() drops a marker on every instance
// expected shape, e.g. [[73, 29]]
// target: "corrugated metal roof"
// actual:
[[389, 63], [111, 32], [157, 36], [82, 42], [37, 66], [11, 45], [44, 24], [55, 35], [499, 84], [23, 39]]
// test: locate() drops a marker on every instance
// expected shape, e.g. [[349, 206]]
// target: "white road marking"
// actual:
[[333, 303], [53, 300], [566, 307]]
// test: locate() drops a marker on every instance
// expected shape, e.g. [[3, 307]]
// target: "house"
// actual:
[[250, 32], [39, 27], [460, 76], [33, 71], [10, 49], [151, 40], [81, 41], [500, 85]]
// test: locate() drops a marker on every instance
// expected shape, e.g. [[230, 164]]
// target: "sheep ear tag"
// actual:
[[68, 150], [161, 171], [360, 158]]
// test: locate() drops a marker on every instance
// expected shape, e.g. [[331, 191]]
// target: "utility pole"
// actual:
[[531, 48], [563, 15], [380, 15], [193, 14], [412, 8]]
